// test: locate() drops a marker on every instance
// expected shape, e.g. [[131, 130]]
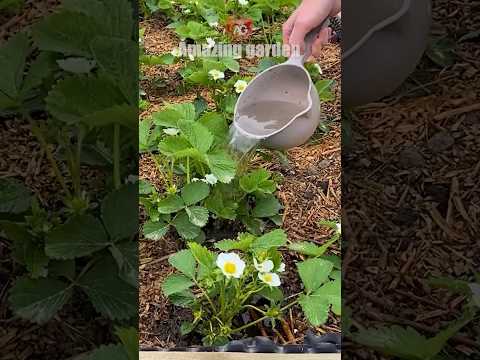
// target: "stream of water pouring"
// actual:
[[260, 120]]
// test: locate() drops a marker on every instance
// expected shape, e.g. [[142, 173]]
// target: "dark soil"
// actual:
[[412, 196]]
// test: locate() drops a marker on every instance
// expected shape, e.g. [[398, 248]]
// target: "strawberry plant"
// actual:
[[63, 70], [218, 288]]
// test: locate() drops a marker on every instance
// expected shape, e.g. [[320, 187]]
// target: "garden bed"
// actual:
[[309, 192]]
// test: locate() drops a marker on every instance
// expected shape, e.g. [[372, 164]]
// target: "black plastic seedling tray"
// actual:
[[328, 343]]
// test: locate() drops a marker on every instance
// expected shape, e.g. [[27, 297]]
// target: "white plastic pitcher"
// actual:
[[289, 82]]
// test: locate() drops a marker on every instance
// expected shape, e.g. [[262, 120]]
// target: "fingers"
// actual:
[[297, 37], [288, 27], [322, 39]]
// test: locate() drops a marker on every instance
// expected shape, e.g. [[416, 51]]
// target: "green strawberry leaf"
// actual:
[[39, 300], [243, 243], [196, 134], [130, 340], [315, 309], [314, 272], [15, 198], [119, 217], [197, 215], [195, 192], [170, 204], [80, 236], [184, 226], [109, 294], [126, 256], [155, 230], [266, 206], [258, 180], [184, 262], [222, 165], [273, 239], [176, 284]]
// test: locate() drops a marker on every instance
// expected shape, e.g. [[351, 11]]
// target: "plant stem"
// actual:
[[116, 156], [188, 169], [255, 308], [263, 318], [51, 159]]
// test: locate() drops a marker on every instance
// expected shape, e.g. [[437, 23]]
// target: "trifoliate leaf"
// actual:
[[184, 262], [121, 68], [176, 284], [170, 204], [109, 294], [195, 192], [231, 64], [314, 272], [184, 226], [222, 165], [186, 328], [258, 180], [273, 239], [196, 134], [39, 300], [173, 145], [79, 236], [12, 65]]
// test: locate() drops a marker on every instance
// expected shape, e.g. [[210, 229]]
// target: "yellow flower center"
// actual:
[[230, 268], [267, 278]]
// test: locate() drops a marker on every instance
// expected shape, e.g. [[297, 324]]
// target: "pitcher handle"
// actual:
[[298, 59]]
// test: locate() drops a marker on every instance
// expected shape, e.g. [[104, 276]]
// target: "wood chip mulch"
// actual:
[[412, 199], [310, 192]]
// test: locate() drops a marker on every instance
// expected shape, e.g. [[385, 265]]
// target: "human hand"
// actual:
[[309, 15]]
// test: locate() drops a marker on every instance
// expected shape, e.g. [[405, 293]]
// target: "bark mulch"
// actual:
[[412, 195], [310, 191]]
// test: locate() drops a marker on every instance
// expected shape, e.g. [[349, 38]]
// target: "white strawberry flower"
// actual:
[[210, 43], [281, 268], [243, 2], [191, 57], [187, 11], [216, 74], [195, 179], [171, 131], [271, 279], [231, 265], [211, 179], [263, 267], [213, 24], [339, 228], [240, 86]]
